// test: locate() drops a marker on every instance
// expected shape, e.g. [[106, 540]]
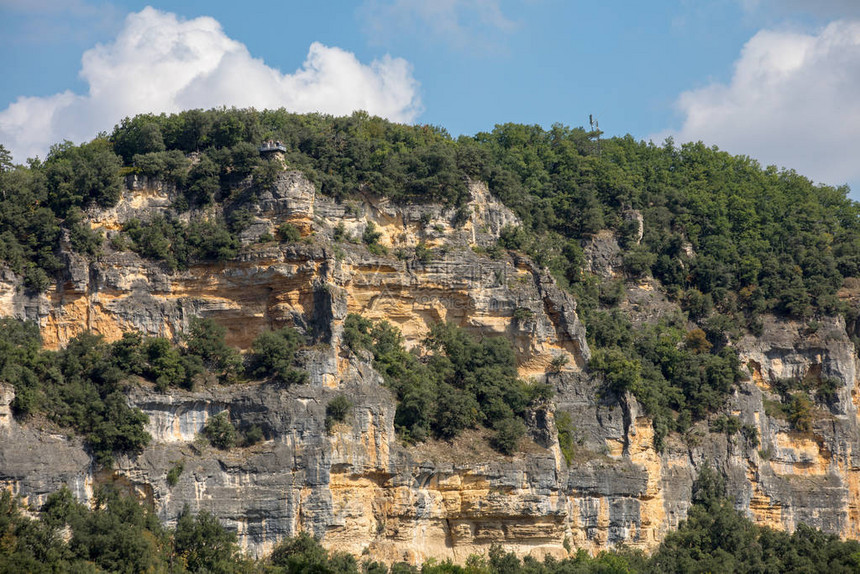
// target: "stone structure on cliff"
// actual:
[[358, 487]]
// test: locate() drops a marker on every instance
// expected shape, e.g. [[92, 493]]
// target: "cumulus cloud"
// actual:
[[792, 101], [161, 63], [460, 23]]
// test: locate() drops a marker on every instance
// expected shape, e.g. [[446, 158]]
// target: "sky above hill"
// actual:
[[773, 79]]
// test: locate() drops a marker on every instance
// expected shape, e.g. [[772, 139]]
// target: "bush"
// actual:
[[204, 544], [800, 413], [220, 431], [523, 314], [620, 374], [336, 411], [697, 304], [423, 254], [370, 236], [78, 387], [253, 436], [205, 339], [638, 261], [300, 554], [289, 233], [564, 425], [174, 473], [273, 354], [508, 434]]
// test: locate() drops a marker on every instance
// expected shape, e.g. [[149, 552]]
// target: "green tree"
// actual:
[[273, 354], [220, 431], [205, 339], [203, 544]]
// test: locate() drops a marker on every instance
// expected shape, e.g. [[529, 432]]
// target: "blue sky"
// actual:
[[773, 79]]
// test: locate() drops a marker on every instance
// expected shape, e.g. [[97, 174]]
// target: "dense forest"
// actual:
[[119, 534]]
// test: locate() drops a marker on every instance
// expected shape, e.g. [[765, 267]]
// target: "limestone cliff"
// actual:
[[358, 486]]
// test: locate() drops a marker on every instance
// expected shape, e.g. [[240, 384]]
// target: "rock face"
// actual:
[[357, 486]]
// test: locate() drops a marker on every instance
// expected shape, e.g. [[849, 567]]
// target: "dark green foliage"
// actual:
[[824, 388], [305, 555], [638, 261], [117, 535], [179, 244], [795, 394], [6, 163], [174, 473], [800, 413], [138, 135], [203, 182], [508, 433], [726, 424], [675, 375], [203, 545], [205, 339], [78, 387], [341, 154], [81, 387], [767, 239], [220, 431], [422, 253], [170, 166], [620, 374], [163, 363], [82, 238], [266, 174], [697, 304], [80, 176], [717, 538], [564, 424], [371, 237], [273, 354], [252, 436], [27, 545], [462, 383], [289, 233], [522, 314], [336, 411]]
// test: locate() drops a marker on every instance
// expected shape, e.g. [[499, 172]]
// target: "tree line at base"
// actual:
[[118, 533]]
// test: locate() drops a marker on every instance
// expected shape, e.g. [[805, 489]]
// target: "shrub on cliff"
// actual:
[[220, 431], [289, 233], [273, 354], [203, 544], [508, 434], [205, 339], [336, 411]]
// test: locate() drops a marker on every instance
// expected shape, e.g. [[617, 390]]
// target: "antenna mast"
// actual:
[[595, 129]]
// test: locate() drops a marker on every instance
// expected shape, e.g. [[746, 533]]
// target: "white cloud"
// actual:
[[160, 63], [792, 102], [460, 23]]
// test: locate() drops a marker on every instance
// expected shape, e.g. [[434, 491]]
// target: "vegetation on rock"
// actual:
[[119, 534], [460, 384], [82, 386]]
